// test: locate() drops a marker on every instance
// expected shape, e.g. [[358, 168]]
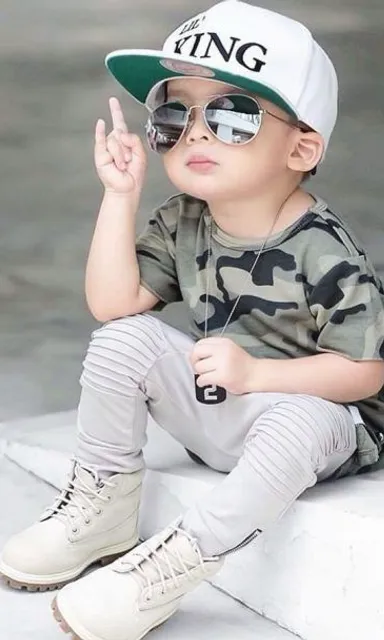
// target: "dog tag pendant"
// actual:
[[210, 394]]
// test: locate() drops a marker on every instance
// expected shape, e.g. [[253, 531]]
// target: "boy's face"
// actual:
[[230, 171]]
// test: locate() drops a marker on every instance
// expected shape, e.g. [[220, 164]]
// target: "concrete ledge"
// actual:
[[316, 573]]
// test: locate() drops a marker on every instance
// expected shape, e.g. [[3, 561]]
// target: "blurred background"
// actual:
[[53, 88]]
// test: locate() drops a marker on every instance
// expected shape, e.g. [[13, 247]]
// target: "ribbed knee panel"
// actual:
[[121, 353]]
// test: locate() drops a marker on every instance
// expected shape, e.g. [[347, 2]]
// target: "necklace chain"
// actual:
[[209, 267]]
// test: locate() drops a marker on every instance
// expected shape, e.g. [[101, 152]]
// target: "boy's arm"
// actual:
[[112, 281], [219, 361], [326, 375]]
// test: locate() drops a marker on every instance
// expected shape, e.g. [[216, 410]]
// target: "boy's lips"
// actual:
[[200, 161]]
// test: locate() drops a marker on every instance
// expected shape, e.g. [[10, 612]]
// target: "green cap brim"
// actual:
[[138, 73]]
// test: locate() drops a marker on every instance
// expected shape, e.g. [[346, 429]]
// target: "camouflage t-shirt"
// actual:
[[312, 291]]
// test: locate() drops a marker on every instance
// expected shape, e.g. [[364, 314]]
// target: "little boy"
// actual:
[[279, 382]]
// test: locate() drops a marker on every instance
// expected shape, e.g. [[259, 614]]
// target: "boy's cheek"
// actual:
[[172, 162], [175, 171]]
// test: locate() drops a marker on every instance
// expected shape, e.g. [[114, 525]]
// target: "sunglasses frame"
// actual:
[[189, 121]]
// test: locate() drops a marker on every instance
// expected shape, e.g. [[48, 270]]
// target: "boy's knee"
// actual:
[[308, 424], [122, 351], [138, 333]]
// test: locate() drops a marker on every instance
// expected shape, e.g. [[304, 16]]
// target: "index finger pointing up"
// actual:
[[117, 115]]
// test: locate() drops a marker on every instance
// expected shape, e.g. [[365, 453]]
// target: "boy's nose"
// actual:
[[197, 129]]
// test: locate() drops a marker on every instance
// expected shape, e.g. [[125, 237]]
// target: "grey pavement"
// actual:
[[53, 87]]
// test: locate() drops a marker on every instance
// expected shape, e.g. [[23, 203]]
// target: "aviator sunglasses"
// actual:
[[233, 118]]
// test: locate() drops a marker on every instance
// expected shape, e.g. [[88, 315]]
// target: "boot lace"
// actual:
[[163, 563], [78, 498]]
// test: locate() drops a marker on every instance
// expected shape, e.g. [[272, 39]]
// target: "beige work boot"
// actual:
[[93, 519], [136, 593]]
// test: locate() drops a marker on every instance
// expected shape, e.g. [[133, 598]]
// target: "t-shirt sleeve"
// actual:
[[348, 305], [156, 255]]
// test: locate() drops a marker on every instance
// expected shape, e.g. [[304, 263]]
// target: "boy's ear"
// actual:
[[307, 151]]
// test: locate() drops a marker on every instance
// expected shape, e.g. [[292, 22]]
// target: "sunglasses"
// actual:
[[233, 118]]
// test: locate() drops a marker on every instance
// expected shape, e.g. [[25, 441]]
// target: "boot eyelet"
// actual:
[[98, 512], [87, 521], [109, 498], [75, 530]]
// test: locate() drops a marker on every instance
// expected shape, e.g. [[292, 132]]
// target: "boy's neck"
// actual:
[[253, 217]]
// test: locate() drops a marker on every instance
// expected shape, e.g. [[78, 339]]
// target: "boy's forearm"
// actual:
[[326, 375], [112, 275]]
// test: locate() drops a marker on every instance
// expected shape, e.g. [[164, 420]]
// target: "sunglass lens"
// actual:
[[233, 118], [166, 125]]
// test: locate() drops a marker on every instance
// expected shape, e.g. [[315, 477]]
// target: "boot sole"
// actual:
[[64, 626], [61, 622], [36, 587]]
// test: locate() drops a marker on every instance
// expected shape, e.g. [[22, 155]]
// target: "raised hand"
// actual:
[[120, 158]]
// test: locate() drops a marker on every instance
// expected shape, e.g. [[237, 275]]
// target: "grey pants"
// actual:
[[273, 446]]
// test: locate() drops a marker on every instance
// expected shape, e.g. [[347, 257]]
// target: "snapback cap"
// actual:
[[249, 47]]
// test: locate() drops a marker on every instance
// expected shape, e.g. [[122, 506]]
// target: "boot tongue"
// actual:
[[84, 483], [87, 481]]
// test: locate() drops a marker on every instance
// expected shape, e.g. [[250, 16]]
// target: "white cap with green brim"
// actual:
[[252, 48]]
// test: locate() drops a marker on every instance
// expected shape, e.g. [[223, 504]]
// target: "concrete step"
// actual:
[[315, 573]]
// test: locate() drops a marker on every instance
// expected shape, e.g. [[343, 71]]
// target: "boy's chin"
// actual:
[[207, 190]]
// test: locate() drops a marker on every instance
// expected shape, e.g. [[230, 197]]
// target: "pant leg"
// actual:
[[298, 441], [112, 413], [134, 365]]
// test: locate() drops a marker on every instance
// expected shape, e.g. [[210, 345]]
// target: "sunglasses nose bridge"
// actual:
[[193, 119]]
